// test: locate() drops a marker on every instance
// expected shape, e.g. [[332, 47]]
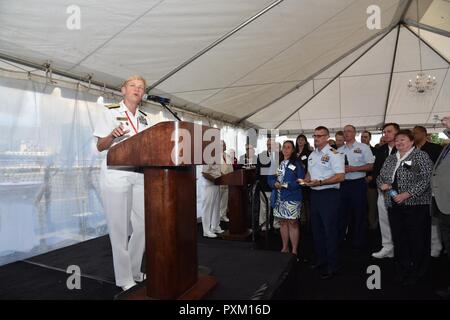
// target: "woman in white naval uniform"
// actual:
[[122, 188]]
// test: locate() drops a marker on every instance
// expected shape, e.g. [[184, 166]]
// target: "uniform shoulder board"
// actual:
[[334, 150], [142, 112], [112, 105]]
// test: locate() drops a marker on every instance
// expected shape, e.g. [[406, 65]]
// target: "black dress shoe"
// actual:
[[444, 294], [409, 282], [316, 266], [327, 275]]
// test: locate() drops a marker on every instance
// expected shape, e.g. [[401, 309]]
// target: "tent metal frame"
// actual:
[[335, 77], [214, 44], [401, 12], [394, 56]]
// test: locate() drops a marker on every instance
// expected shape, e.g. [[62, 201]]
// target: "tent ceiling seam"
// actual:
[[394, 56], [438, 94], [426, 27], [425, 42], [280, 52], [330, 64], [338, 75], [214, 44], [115, 35], [284, 82]]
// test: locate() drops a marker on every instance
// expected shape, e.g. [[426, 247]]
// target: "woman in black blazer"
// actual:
[[405, 179]]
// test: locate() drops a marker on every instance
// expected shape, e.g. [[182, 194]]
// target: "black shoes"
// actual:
[[327, 275], [444, 294], [316, 266]]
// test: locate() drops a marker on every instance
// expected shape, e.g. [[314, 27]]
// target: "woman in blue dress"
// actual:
[[286, 196]]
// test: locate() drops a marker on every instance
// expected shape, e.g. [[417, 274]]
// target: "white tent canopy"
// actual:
[[289, 64]]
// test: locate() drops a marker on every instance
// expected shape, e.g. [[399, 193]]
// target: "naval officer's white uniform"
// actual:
[[122, 192]]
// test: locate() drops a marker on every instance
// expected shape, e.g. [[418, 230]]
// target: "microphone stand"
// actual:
[[168, 109]]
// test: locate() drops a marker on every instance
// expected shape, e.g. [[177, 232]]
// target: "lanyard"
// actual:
[[132, 123]]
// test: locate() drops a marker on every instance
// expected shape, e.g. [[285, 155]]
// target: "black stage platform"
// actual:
[[241, 272]]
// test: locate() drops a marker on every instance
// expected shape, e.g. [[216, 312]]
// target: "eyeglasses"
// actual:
[[319, 135]]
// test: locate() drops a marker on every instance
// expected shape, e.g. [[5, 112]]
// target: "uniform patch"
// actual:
[[357, 150], [143, 120], [121, 118], [325, 158]]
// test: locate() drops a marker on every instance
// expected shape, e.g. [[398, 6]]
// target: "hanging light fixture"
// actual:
[[423, 82]]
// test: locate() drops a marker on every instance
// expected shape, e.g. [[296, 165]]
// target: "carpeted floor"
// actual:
[[241, 271], [244, 271]]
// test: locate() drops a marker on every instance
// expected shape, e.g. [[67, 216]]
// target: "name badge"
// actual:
[[303, 157], [292, 167], [121, 118], [358, 150]]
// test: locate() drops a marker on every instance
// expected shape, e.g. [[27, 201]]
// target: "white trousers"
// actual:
[[123, 202], [436, 244], [211, 207], [223, 201], [385, 227]]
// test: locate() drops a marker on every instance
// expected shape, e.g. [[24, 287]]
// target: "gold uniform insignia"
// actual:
[[112, 105], [334, 150], [325, 158]]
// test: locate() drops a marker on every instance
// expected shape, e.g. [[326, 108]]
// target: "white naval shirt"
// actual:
[[324, 164], [359, 154], [111, 118]]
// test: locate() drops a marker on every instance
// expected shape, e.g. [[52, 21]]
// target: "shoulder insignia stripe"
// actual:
[[112, 105], [142, 112]]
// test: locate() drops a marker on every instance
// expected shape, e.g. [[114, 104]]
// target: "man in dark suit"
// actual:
[[420, 140], [389, 132], [440, 204], [433, 150]]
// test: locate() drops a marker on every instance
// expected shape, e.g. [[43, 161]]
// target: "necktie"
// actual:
[[393, 151]]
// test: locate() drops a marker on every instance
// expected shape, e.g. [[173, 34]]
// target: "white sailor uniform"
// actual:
[[122, 192]]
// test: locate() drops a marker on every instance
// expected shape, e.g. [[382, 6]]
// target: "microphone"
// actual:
[[158, 99]]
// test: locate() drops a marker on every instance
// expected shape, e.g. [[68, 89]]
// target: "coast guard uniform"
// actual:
[[324, 164], [122, 192], [354, 193]]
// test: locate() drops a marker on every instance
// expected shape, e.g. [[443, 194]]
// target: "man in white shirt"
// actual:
[[358, 161]]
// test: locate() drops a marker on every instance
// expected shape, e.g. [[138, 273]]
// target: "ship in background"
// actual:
[[46, 202]]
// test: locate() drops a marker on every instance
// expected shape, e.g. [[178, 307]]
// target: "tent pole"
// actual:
[[337, 76], [428, 45], [214, 44], [412, 23], [392, 73]]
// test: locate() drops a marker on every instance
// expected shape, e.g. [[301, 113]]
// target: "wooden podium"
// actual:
[[237, 182], [170, 208]]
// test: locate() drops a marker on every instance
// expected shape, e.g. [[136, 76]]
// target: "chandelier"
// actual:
[[423, 82]]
